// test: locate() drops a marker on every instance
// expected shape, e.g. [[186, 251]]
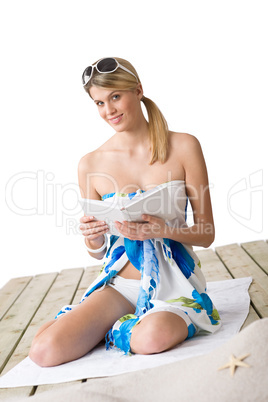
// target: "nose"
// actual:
[[110, 109]]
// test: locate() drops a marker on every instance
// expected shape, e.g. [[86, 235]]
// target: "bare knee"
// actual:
[[45, 351], [148, 341], [157, 333]]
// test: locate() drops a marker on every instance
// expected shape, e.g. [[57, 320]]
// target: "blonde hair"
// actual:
[[122, 80]]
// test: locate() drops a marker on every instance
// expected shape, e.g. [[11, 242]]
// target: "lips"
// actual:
[[116, 119]]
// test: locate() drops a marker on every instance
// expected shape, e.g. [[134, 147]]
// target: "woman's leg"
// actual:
[[77, 332], [158, 332]]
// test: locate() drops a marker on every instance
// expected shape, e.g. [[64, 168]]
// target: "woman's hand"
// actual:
[[152, 228], [93, 229]]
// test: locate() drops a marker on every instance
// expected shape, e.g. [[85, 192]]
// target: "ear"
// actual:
[[139, 91]]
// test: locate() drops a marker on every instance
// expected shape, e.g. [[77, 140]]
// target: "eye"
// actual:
[[99, 103], [116, 97]]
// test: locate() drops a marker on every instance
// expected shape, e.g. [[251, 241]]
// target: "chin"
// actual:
[[118, 127]]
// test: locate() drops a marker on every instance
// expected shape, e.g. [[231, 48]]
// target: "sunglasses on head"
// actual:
[[103, 66]]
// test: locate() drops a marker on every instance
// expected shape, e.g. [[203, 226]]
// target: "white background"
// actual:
[[205, 65]]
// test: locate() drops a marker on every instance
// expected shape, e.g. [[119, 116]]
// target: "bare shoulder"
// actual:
[[184, 140], [87, 168], [87, 161], [90, 161], [185, 146], [187, 149]]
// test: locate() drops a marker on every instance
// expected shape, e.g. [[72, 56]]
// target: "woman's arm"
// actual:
[[92, 229], [202, 233]]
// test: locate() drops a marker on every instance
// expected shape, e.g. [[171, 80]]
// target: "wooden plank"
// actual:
[[215, 270], [61, 293], [15, 322], [258, 251], [241, 265], [211, 266], [88, 277], [251, 317], [10, 292]]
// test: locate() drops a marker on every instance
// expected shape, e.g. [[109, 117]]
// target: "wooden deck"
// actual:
[[28, 302]]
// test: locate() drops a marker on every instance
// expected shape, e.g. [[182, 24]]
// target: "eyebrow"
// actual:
[[98, 100]]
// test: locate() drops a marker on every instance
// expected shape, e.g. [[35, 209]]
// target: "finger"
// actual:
[[91, 225], [149, 218], [118, 226], [130, 225], [124, 228], [152, 219], [95, 236], [85, 219], [96, 231]]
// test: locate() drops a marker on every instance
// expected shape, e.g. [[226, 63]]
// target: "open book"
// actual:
[[157, 202]]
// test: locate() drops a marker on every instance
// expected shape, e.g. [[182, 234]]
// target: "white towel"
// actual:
[[230, 297]]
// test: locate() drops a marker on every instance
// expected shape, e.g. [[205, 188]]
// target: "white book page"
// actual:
[[156, 202], [104, 211]]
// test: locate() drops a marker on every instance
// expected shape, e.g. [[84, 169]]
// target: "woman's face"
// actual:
[[120, 109]]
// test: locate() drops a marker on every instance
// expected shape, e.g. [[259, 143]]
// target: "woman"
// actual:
[[150, 294]]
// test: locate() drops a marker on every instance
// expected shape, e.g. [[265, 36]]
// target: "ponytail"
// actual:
[[158, 129]]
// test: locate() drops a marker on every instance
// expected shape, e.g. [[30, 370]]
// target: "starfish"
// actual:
[[234, 362]]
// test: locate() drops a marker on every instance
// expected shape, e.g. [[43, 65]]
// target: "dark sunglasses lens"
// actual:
[[107, 65], [87, 75]]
